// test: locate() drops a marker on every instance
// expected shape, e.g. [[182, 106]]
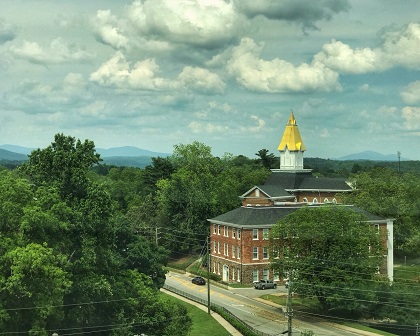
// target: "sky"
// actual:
[[226, 73]]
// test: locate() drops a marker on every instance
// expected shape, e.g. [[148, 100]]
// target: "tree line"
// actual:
[[83, 244]]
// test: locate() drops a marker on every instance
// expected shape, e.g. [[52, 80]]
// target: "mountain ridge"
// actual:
[[132, 156], [130, 151], [371, 156]]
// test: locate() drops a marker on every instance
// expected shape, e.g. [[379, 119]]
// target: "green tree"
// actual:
[[328, 252], [267, 160], [387, 193], [64, 164], [161, 168], [33, 284], [112, 273]]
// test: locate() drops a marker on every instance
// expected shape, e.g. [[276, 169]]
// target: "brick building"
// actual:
[[239, 238]]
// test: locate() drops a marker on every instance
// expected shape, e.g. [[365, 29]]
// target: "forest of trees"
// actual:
[[83, 244]]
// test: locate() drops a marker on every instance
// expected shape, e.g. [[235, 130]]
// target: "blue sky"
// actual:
[[156, 73]]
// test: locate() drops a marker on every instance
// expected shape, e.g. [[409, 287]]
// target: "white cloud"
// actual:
[[201, 80], [107, 29], [118, 72], [34, 97], [201, 127], [324, 133], [277, 75], [411, 93], [57, 52], [399, 48], [411, 116], [259, 124], [340, 57], [203, 23]]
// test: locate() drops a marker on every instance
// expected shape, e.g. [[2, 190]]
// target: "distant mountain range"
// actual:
[[137, 157], [119, 156], [371, 156], [116, 151]]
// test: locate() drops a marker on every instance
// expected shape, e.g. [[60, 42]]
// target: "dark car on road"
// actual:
[[198, 280]]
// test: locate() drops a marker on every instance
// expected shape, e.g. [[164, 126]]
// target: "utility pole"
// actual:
[[289, 306], [208, 274]]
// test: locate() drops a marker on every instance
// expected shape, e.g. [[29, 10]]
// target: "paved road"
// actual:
[[243, 303]]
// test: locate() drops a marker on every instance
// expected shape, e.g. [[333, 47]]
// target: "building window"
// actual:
[[233, 251], [218, 268], [255, 275], [239, 252], [334, 201], [233, 273], [265, 234], [377, 228], [315, 200], [233, 233], [239, 233], [305, 200], [326, 200], [214, 229], [225, 231], [218, 230], [214, 247], [265, 252], [218, 247], [227, 249], [239, 274], [255, 234], [266, 273], [255, 253]]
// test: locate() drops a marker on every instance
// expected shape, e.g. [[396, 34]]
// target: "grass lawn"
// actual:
[[202, 323], [407, 272]]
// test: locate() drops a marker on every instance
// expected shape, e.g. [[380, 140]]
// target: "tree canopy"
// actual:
[[327, 251], [70, 261]]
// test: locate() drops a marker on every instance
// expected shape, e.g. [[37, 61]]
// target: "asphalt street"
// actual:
[[246, 304]]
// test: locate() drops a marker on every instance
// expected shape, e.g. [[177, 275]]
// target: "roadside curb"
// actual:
[[225, 324]]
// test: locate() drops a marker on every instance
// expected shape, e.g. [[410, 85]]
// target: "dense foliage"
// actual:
[[327, 252], [83, 245], [70, 261], [390, 194]]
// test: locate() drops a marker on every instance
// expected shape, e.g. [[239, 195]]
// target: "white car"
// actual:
[[264, 284]]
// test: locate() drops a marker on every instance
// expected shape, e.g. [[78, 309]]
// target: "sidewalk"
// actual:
[[229, 328]]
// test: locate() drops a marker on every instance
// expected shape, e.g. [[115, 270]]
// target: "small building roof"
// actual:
[[304, 181], [254, 216]]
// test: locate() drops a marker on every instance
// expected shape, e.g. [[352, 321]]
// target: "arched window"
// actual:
[[305, 200], [334, 201], [315, 200], [326, 200]]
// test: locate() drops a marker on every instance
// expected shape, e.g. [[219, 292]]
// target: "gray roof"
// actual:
[[304, 181], [270, 215]]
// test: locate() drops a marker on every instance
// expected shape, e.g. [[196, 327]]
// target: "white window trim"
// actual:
[[255, 248]]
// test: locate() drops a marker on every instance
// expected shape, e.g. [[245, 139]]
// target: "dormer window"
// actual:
[[257, 192]]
